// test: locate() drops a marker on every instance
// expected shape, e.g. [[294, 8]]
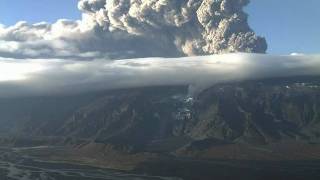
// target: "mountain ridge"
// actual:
[[254, 112]]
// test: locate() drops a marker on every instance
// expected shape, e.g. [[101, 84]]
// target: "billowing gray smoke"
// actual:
[[194, 26], [115, 29]]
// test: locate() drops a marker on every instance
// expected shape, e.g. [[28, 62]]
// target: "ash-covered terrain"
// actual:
[[251, 128]]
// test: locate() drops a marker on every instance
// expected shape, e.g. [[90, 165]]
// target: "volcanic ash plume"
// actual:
[[116, 29], [194, 26]]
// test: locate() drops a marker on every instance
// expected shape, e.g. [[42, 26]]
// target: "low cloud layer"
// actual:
[[48, 77], [116, 29]]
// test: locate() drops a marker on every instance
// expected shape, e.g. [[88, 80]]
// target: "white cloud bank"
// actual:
[[45, 77]]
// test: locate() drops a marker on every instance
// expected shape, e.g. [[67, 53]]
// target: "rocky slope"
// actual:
[[167, 118]]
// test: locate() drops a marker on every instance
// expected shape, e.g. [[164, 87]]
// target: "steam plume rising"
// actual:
[[116, 29]]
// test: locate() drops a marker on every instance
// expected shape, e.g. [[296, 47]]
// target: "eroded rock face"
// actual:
[[252, 112], [260, 112]]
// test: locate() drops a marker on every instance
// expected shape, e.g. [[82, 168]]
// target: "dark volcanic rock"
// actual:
[[133, 117], [257, 112], [167, 118]]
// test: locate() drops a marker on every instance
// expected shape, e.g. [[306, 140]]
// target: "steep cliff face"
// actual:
[[261, 111], [252, 112], [134, 117]]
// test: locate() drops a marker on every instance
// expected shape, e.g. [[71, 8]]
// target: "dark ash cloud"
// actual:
[[116, 29]]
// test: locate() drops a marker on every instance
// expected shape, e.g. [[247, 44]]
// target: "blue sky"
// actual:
[[34, 11], [289, 25]]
